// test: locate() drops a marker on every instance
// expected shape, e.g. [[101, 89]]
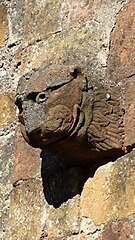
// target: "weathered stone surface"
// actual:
[[110, 193], [67, 33], [16, 23], [74, 14], [86, 129], [106, 130], [27, 213], [121, 61], [121, 65], [3, 23], [27, 162], [48, 22], [88, 230], [6, 149], [122, 50], [9, 68], [82, 43], [9, 63], [63, 221], [117, 230], [7, 109], [130, 112]]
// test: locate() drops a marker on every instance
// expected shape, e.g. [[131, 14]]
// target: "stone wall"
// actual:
[[39, 200]]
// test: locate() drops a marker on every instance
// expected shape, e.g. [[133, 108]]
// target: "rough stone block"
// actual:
[[117, 230], [3, 23], [6, 149], [16, 22], [27, 162], [7, 109], [41, 20], [80, 40], [27, 213], [121, 61], [110, 193], [130, 112], [63, 221]]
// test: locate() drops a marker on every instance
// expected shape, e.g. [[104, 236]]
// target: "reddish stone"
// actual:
[[121, 66], [26, 159], [121, 61], [117, 230]]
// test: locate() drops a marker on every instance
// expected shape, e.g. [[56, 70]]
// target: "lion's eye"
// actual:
[[42, 97]]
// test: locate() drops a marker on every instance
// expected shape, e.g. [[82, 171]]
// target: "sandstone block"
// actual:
[[117, 230], [7, 109], [63, 221], [27, 213], [6, 146], [121, 65], [74, 33], [110, 193], [3, 23], [41, 20], [130, 112], [27, 162], [121, 61], [16, 22]]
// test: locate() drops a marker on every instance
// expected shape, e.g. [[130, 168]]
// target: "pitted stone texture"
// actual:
[[121, 61], [88, 230], [67, 40], [63, 221], [47, 13], [27, 212], [16, 23], [27, 162], [7, 109], [86, 47], [110, 193], [67, 47], [130, 112], [75, 13], [9, 68], [55, 16], [6, 149], [121, 65], [117, 230], [3, 23]]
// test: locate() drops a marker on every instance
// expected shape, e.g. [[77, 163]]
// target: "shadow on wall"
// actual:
[[60, 182]]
